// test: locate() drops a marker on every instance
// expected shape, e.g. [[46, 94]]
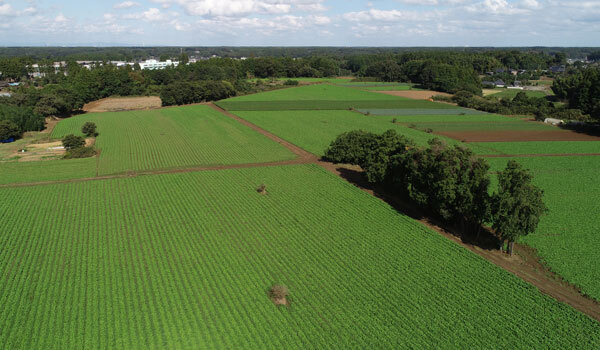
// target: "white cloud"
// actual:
[[6, 10], [238, 8], [151, 15], [126, 5]]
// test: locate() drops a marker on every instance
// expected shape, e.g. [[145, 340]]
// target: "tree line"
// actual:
[[451, 183]]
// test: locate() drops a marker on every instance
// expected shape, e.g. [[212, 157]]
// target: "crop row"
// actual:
[[173, 138], [184, 261]]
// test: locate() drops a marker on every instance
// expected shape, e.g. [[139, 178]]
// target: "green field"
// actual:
[[172, 138], [567, 238], [315, 130], [184, 261], [52, 170], [538, 147], [323, 97], [444, 109], [511, 93], [483, 126], [454, 118]]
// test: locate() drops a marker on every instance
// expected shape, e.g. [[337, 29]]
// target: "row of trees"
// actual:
[[449, 182]]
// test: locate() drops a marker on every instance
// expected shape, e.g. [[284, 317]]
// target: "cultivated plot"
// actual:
[[537, 147], [52, 170], [173, 138], [315, 130], [567, 238], [185, 261]]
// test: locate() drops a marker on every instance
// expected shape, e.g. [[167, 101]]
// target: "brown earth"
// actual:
[[115, 104], [414, 94], [518, 135], [525, 264]]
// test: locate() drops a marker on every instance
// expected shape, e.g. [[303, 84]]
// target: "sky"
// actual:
[[300, 23]]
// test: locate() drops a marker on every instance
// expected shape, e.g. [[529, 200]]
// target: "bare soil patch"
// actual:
[[115, 104], [518, 135], [417, 95]]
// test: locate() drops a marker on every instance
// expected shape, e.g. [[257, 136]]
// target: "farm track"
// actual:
[[525, 264]]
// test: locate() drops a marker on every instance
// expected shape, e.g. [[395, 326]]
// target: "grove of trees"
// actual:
[[451, 183]]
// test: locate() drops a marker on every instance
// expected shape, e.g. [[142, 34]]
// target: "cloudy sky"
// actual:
[[301, 22]]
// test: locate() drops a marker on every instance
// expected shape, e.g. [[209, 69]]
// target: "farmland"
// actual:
[[315, 130], [13, 172], [183, 261], [567, 236], [322, 97], [172, 138]]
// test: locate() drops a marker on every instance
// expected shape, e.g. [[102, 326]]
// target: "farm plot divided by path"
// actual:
[[567, 238], [315, 130], [53, 170], [184, 261], [173, 138]]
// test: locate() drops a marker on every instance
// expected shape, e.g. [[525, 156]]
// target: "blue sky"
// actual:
[[301, 22]]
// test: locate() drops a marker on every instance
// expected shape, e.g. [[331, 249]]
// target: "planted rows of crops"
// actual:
[[16, 172], [173, 138], [538, 147], [184, 261], [424, 110], [315, 130], [483, 127], [567, 238]]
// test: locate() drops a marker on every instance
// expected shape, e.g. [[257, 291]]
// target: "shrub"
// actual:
[[262, 189], [9, 130], [72, 142], [80, 152], [89, 129], [291, 82]]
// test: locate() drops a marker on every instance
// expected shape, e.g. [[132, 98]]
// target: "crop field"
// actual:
[[184, 261], [315, 130], [511, 93], [484, 126], [567, 238], [534, 147], [13, 172], [444, 109], [322, 97], [454, 118], [172, 138]]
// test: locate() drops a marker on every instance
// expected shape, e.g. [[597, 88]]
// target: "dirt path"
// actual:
[[525, 264]]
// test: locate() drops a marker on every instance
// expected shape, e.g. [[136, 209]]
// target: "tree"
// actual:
[[72, 142], [518, 204], [89, 129], [9, 130]]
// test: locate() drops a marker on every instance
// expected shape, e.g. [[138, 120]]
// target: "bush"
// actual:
[[89, 129], [350, 147], [72, 142], [80, 152], [9, 130], [291, 82]]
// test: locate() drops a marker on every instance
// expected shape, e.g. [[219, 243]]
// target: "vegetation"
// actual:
[[22, 117], [71, 142], [518, 205], [449, 182], [215, 246], [9, 130], [315, 130], [51, 170], [581, 91], [190, 136], [80, 152], [89, 129]]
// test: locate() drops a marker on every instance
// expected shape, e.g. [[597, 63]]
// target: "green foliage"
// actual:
[[9, 130], [350, 147], [180, 93], [80, 152], [50, 170], [537, 147], [89, 129], [520, 104], [191, 136], [216, 246], [581, 90], [23, 117], [518, 205], [71, 142]]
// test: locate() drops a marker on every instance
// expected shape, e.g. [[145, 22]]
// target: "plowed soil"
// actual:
[[518, 135], [417, 95], [115, 104]]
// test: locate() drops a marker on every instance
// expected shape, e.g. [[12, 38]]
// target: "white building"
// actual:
[[155, 64]]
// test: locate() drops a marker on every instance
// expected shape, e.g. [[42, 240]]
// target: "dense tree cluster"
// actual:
[[449, 182], [581, 90], [23, 118]]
